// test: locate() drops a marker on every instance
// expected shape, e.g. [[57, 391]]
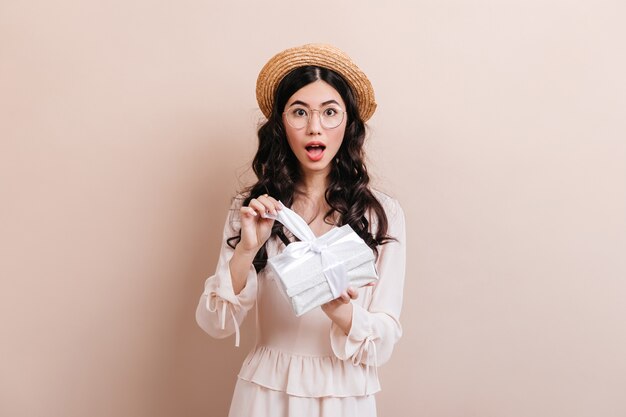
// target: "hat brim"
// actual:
[[325, 56]]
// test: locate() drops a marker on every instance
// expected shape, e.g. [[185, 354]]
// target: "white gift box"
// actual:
[[314, 270]]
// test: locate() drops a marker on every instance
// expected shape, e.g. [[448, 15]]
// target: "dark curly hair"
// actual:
[[276, 166]]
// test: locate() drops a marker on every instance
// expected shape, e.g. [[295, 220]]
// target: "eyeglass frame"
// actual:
[[319, 115]]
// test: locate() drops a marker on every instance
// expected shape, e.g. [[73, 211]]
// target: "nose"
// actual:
[[314, 126]]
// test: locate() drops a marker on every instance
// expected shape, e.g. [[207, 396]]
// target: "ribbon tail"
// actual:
[[213, 306], [335, 273], [373, 351], [292, 221], [232, 314], [368, 347], [223, 315]]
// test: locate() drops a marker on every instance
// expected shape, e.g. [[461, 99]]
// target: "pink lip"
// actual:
[[315, 154]]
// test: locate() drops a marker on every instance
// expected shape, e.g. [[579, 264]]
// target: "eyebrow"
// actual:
[[305, 104]]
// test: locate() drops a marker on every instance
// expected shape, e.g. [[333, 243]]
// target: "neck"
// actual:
[[314, 184], [310, 201]]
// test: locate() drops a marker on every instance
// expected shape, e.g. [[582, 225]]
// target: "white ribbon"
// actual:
[[334, 269], [368, 346], [212, 304]]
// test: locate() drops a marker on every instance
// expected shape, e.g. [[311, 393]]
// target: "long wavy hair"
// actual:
[[278, 173]]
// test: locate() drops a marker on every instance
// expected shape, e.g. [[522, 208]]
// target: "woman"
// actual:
[[311, 159]]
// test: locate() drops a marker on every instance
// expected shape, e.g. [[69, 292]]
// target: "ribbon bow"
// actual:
[[368, 347], [333, 268], [214, 303]]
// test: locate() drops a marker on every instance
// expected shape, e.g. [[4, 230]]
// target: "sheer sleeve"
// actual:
[[220, 311], [376, 325]]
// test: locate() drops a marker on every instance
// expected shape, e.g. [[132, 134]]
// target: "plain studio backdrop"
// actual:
[[127, 126]]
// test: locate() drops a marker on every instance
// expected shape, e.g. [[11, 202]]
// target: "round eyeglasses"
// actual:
[[299, 116]]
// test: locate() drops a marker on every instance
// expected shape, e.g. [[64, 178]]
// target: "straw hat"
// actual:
[[320, 55]]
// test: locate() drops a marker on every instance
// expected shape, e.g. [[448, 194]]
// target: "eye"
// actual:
[[299, 112], [331, 112]]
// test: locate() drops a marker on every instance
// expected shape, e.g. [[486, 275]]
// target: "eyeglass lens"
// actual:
[[330, 116]]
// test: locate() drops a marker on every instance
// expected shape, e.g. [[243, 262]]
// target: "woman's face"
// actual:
[[315, 144]]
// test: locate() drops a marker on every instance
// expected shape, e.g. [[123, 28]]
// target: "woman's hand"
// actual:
[[349, 294], [255, 229], [339, 310]]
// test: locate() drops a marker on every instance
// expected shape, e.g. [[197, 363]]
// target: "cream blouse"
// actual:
[[309, 356]]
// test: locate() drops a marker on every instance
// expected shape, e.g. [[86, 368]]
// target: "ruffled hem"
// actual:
[[253, 400], [307, 376]]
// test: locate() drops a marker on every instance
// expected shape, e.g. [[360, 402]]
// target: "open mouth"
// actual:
[[315, 151]]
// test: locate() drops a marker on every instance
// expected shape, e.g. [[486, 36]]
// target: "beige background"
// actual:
[[126, 126]]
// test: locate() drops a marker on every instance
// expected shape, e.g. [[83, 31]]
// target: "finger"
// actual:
[[247, 211], [271, 200], [353, 293], [276, 203], [257, 206], [344, 297], [270, 206]]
